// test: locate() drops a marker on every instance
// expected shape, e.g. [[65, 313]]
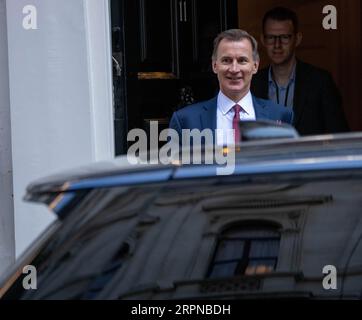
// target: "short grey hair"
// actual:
[[235, 35]]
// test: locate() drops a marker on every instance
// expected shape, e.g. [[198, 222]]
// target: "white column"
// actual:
[[60, 96], [99, 49], [7, 240]]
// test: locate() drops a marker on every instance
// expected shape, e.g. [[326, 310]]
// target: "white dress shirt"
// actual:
[[225, 114]]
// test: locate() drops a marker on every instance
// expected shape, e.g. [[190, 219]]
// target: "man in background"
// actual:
[[308, 90]]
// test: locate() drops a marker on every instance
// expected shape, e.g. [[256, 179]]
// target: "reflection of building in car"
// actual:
[[166, 232]]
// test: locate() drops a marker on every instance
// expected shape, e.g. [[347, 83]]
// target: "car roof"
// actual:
[[339, 151]]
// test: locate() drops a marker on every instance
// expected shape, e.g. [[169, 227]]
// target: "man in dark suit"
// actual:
[[235, 60], [308, 90]]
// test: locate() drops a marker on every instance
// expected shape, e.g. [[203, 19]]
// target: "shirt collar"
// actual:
[[225, 104]]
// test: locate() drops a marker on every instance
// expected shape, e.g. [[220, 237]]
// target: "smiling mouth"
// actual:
[[234, 78]]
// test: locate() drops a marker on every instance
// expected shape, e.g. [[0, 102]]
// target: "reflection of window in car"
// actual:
[[245, 250]]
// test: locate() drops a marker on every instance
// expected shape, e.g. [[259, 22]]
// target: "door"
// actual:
[[167, 55]]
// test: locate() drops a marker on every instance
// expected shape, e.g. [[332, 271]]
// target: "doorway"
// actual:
[[162, 58]]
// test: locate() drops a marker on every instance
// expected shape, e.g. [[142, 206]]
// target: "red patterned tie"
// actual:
[[236, 121]]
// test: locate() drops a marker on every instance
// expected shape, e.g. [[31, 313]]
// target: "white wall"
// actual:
[[7, 241], [60, 96]]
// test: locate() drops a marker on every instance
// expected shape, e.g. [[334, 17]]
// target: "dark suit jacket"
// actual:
[[202, 115], [317, 102]]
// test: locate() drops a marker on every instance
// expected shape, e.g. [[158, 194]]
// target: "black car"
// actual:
[[286, 223]]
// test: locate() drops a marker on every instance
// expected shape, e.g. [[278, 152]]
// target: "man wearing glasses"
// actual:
[[308, 90]]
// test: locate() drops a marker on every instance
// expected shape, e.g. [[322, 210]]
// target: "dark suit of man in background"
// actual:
[[235, 60], [308, 90]]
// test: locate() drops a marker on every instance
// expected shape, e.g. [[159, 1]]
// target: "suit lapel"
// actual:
[[208, 115], [299, 92], [265, 83], [259, 84]]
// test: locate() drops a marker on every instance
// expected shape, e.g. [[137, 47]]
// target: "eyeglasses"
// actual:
[[283, 38]]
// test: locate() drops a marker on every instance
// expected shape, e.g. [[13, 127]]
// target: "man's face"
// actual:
[[235, 66], [280, 41]]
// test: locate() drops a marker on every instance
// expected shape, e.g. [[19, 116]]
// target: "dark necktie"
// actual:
[[236, 121]]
